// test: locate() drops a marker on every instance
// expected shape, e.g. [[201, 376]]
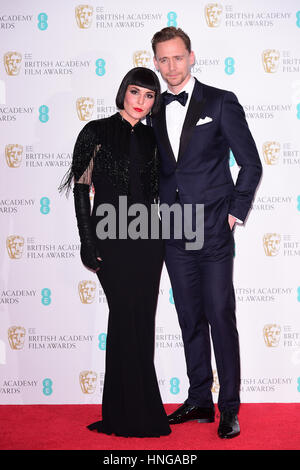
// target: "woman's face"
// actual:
[[138, 102]]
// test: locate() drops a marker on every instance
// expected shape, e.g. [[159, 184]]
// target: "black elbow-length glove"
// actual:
[[88, 250]]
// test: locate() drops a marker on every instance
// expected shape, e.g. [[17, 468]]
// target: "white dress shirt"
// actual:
[[175, 116]]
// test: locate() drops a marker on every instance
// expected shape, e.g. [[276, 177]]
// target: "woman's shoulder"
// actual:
[[93, 128]]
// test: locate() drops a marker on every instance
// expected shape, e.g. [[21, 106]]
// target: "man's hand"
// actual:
[[231, 221]]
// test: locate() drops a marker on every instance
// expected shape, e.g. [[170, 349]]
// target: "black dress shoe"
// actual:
[[229, 425], [190, 412]]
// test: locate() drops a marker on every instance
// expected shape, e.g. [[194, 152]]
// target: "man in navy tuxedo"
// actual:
[[195, 130]]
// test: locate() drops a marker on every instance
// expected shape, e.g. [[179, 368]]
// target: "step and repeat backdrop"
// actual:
[[61, 64]]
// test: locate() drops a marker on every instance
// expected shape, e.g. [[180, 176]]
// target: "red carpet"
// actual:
[[61, 427]]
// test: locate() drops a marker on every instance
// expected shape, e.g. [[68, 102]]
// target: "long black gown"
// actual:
[[120, 160]]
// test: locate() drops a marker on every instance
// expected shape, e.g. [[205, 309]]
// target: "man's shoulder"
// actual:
[[209, 90]]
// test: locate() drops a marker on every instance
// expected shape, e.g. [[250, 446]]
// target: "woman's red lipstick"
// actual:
[[139, 110]]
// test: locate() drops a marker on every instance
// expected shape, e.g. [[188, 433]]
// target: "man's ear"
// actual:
[[192, 58], [155, 64]]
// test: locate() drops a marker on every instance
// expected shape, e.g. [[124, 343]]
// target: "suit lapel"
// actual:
[[161, 129], [193, 114]]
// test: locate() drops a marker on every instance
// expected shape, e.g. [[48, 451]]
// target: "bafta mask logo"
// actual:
[[215, 386], [272, 335], [270, 58], [271, 243], [87, 290], [16, 337], [213, 14], [13, 154], [84, 16], [12, 63], [141, 59], [85, 108], [88, 381], [271, 152], [15, 245]]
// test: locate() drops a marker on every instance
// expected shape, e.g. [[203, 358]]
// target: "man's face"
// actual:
[[174, 62]]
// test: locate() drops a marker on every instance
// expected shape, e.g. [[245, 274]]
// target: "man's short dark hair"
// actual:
[[142, 77], [168, 33]]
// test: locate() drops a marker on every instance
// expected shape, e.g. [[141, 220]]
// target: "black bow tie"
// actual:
[[182, 98]]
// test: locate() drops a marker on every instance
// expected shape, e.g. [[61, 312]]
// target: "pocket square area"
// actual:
[[204, 121]]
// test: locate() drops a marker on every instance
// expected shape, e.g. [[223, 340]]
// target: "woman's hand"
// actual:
[[90, 257]]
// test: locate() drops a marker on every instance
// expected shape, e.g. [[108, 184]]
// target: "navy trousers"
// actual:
[[205, 302]]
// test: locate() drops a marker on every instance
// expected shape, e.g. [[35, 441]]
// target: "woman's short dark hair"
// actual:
[[142, 77]]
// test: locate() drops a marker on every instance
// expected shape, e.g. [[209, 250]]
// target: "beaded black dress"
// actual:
[[121, 160]]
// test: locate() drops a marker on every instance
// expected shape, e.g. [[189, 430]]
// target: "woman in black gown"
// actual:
[[118, 156]]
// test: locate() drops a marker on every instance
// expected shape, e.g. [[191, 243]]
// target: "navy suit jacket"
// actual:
[[202, 173]]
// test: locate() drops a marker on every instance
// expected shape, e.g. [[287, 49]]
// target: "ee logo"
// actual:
[[43, 21], [47, 387], [102, 341], [171, 298], [45, 209], [46, 296], [43, 113], [100, 67], [231, 159], [174, 385], [229, 65], [172, 17]]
